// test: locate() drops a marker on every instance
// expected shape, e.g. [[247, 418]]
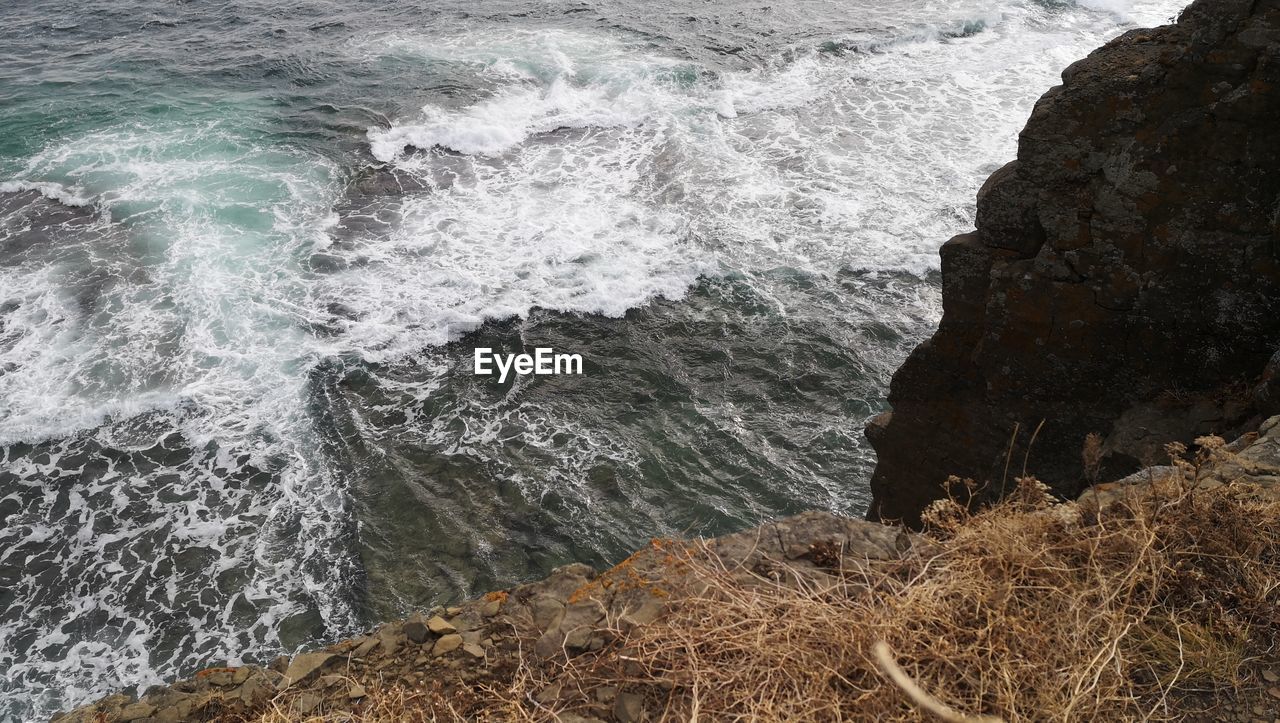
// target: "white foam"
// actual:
[[552, 80], [179, 316], [52, 191]]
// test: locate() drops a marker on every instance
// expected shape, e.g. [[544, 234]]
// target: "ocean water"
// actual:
[[248, 247]]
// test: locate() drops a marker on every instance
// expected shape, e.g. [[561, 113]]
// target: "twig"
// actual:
[[884, 656]]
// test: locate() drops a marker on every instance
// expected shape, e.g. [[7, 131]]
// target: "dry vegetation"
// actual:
[[1029, 610]]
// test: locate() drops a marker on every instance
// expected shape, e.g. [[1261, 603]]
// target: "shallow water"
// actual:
[[248, 247]]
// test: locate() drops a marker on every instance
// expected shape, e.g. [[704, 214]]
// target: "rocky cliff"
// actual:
[[1124, 277]]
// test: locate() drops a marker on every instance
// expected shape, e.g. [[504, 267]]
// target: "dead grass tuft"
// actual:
[[1027, 612]]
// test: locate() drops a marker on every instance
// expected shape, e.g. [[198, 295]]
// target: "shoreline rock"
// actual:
[[1124, 277]]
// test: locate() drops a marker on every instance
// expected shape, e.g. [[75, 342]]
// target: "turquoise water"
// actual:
[[247, 249]]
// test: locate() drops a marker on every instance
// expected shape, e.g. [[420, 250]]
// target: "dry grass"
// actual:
[[1029, 610]]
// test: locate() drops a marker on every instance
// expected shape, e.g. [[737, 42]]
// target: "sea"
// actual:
[[248, 249]]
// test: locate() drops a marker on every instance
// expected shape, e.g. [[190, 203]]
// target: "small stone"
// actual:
[[606, 693], [447, 644], [473, 650], [416, 630], [440, 626], [389, 640], [648, 611], [356, 692], [490, 608], [1274, 692], [303, 666], [550, 693], [628, 708], [178, 710], [547, 611], [1270, 676], [365, 647], [141, 709], [308, 702], [220, 678], [241, 674], [329, 681], [452, 610], [549, 644]]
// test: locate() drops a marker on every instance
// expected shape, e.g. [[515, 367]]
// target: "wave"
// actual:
[[50, 190]]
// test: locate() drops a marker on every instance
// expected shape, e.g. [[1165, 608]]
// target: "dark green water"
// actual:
[[247, 250]]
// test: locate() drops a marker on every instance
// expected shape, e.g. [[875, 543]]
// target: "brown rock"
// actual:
[[304, 666], [141, 709], [389, 640], [447, 644], [628, 708], [365, 646], [440, 626], [417, 630], [547, 611], [549, 694], [308, 702]]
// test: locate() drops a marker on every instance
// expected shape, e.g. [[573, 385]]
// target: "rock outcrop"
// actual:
[[1124, 278]]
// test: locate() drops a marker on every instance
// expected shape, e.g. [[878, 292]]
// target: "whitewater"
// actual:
[[247, 251]]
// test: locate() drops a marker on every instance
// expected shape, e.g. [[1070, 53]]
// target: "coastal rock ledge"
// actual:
[[1123, 280]]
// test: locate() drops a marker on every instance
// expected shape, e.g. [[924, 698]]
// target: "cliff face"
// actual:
[[1124, 277]]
